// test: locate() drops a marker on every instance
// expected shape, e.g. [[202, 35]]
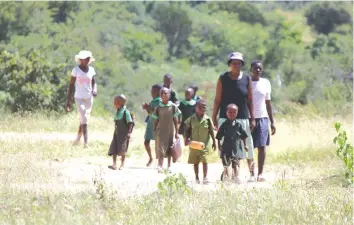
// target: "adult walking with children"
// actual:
[[83, 78], [234, 87]]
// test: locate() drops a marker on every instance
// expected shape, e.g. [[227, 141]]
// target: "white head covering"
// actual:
[[84, 55], [236, 55]]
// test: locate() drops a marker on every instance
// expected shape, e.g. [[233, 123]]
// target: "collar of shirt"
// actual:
[[157, 99], [169, 103], [190, 102], [120, 112]]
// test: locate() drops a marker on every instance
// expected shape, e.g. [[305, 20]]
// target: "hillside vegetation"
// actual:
[[306, 48]]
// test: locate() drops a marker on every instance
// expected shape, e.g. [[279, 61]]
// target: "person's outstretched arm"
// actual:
[[217, 102], [250, 105], [70, 93]]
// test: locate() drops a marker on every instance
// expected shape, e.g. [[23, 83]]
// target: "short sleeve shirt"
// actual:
[[120, 113], [261, 91], [232, 132], [83, 83], [198, 129]]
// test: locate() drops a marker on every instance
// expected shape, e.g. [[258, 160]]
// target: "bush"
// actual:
[[344, 151]]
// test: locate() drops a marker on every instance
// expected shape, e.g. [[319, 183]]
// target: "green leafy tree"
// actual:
[[32, 82]]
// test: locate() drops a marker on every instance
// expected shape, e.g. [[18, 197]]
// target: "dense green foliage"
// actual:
[[135, 43]]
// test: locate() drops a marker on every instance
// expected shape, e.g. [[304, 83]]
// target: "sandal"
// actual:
[[197, 181], [112, 167], [260, 178], [160, 170]]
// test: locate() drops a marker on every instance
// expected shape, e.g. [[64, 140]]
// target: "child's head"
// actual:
[[119, 101], [84, 58], [256, 68], [200, 108], [164, 94], [189, 93], [155, 90], [167, 80], [231, 111], [195, 88]]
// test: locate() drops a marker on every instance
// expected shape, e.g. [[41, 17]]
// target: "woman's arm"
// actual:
[[70, 93], [270, 114], [94, 86], [250, 105], [217, 102]]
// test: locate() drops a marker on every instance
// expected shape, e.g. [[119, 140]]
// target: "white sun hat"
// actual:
[[236, 55], [84, 55]]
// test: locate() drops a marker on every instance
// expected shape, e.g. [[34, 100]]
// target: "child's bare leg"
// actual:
[[169, 161], [205, 170], [196, 172], [148, 150], [250, 163], [79, 134], [85, 132], [114, 166], [122, 161]]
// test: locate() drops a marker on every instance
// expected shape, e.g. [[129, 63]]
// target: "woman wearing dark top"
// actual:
[[234, 87]]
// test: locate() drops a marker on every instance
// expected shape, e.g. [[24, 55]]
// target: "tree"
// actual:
[[325, 16], [173, 21], [31, 82]]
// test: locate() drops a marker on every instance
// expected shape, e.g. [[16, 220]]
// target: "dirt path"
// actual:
[[77, 174]]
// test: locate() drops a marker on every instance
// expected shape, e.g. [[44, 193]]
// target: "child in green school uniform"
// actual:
[[149, 132], [187, 108], [195, 88], [166, 128], [123, 128], [232, 133], [199, 127]]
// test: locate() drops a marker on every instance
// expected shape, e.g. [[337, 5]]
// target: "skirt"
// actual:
[[84, 108], [260, 134], [249, 142]]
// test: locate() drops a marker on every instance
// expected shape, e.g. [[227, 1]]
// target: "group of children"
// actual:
[[168, 118]]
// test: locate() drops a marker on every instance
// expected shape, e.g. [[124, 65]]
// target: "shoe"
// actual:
[[205, 181], [252, 179], [76, 142], [197, 181], [169, 170], [85, 145], [159, 169], [237, 180]]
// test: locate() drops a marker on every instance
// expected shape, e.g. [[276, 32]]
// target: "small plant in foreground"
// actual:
[[174, 184], [99, 184], [344, 151]]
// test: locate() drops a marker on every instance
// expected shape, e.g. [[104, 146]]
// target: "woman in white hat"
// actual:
[[83, 77], [234, 87]]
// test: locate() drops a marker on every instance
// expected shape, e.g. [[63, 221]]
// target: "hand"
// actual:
[[94, 93], [213, 146], [67, 108], [220, 148], [186, 142], [145, 105], [272, 126], [128, 136], [216, 126], [252, 124], [246, 148]]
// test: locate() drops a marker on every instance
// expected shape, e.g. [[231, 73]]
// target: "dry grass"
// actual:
[[315, 191]]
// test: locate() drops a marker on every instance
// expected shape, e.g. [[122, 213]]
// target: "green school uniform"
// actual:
[[149, 132], [198, 129]]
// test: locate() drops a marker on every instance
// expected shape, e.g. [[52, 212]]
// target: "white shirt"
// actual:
[[260, 92], [83, 84]]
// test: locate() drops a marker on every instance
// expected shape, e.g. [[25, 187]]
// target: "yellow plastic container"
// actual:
[[197, 145]]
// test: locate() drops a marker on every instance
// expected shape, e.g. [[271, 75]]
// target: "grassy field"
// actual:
[[315, 192]]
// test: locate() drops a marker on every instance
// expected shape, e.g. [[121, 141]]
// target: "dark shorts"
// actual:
[[227, 161], [260, 134]]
